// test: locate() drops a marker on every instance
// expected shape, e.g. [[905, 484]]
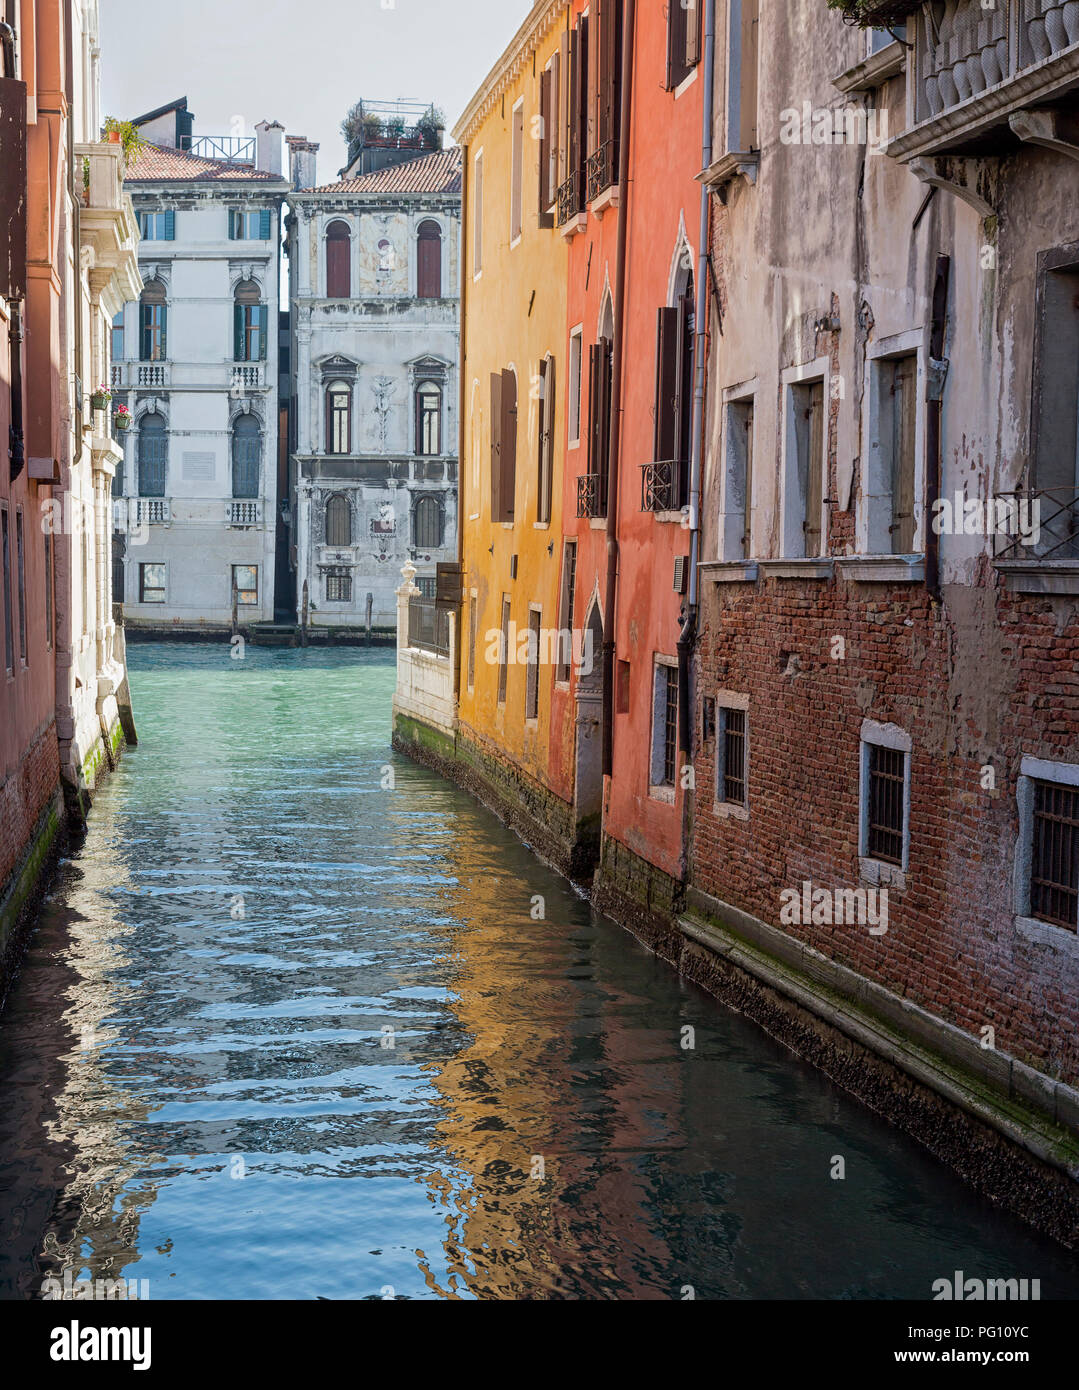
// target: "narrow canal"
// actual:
[[292, 1026]]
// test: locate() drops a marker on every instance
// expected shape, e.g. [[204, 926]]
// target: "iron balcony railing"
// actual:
[[602, 169], [428, 626], [964, 47], [228, 149], [570, 202], [592, 495], [1036, 524], [659, 486]]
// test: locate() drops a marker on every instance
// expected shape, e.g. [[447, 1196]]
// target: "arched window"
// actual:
[[338, 261], [339, 418], [428, 418], [427, 524], [246, 451], [152, 322], [251, 320], [338, 520], [429, 260], [153, 455]]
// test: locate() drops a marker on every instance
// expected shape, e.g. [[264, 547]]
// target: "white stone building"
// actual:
[[195, 360], [373, 456]]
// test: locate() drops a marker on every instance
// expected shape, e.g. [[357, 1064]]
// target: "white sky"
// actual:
[[301, 64]]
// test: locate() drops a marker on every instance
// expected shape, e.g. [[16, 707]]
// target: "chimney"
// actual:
[[270, 147], [302, 157]]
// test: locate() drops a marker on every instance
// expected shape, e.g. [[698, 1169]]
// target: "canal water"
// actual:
[[302, 1020]]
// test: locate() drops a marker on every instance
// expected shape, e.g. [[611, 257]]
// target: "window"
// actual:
[[9, 635], [600, 386], [503, 444], [885, 794], [339, 418], [247, 225], [731, 756], [573, 193], [737, 518], [428, 418], [545, 463], [517, 157], [153, 455], [881, 38], [49, 633], [674, 402], [569, 586], [427, 523], [1054, 861], [338, 261], [548, 151], [742, 49], [339, 585], [118, 337], [158, 226], [338, 520], [246, 454], [1056, 389], [472, 619], [503, 650], [532, 672], [428, 587], [152, 322], [151, 583], [250, 323], [804, 470], [608, 82], [477, 216], [893, 457], [20, 561], [429, 260], [245, 584], [665, 725], [683, 39], [576, 346]]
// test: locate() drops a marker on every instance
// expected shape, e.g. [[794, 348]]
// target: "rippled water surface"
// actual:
[[291, 1026]]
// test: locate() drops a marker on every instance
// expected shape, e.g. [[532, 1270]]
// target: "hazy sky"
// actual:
[[303, 64]]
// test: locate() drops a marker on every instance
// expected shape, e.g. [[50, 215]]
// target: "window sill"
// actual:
[[737, 164], [541, 526], [686, 83], [730, 571], [883, 569], [881, 875], [1046, 934], [820, 567], [662, 794], [670, 517], [730, 810], [607, 199], [574, 226], [869, 74], [598, 523], [1039, 576]]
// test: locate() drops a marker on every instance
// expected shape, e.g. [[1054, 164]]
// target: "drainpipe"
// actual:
[[937, 375], [689, 626], [462, 281], [7, 43], [626, 125]]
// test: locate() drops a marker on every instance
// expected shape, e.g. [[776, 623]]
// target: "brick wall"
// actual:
[[24, 795]]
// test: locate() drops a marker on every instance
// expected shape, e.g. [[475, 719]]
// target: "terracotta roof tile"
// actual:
[[162, 164], [431, 173]]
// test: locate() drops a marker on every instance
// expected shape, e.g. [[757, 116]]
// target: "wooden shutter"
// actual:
[[547, 440], [693, 32], [683, 391], [13, 189], [170, 225], [448, 584], [594, 363], [265, 226], [338, 270], [508, 444], [496, 450], [573, 144], [747, 484], [904, 406], [264, 329], [547, 126], [667, 345], [815, 469], [747, 105], [233, 225], [239, 347], [429, 267], [582, 107]]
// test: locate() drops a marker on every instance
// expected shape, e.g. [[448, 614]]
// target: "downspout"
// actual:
[[629, 21], [7, 44], [687, 635], [16, 437], [462, 280], [934, 394]]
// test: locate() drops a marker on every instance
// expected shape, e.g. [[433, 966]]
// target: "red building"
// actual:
[[631, 91]]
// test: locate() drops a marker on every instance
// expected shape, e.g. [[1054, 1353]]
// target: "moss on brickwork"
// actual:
[[25, 877], [409, 733]]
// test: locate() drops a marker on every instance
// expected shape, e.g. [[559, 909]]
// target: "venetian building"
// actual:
[[374, 353]]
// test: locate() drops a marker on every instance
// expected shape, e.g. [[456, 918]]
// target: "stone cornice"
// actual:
[[543, 18]]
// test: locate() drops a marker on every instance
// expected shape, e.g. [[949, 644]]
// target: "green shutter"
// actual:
[[264, 224], [164, 336], [232, 224], [144, 332], [264, 330], [170, 225], [238, 333]]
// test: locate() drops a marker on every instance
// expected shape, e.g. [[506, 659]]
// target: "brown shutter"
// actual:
[[594, 366], [603, 81], [496, 426], [13, 188], [693, 32], [547, 128], [606, 361], [682, 400], [748, 139], [541, 457], [429, 268], [548, 443], [667, 342], [573, 146], [815, 473], [447, 584], [337, 267], [905, 405], [508, 442], [582, 109]]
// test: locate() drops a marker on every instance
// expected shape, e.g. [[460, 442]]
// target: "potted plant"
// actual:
[[431, 125], [394, 127], [875, 14], [372, 125], [121, 419], [126, 135], [99, 399]]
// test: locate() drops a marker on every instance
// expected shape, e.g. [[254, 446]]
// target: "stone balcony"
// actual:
[[985, 80], [107, 226]]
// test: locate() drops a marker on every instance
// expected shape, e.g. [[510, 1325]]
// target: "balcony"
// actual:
[[601, 174], [248, 377], [428, 626], [227, 149], [243, 512], [571, 204], [979, 73], [659, 486], [150, 373], [107, 223], [153, 511], [592, 496]]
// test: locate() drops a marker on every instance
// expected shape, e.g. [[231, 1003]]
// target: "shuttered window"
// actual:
[[158, 226], [503, 444], [427, 524], [428, 418], [339, 418], [600, 364], [503, 650], [902, 380], [246, 449], [338, 520], [254, 225], [667, 377], [609, 84], [153, 322], [338, 261], [547, 131], [251, 321], [814, 481], [683, 39], [547, 399], [5, 582], [153, 455], [429, 260]]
